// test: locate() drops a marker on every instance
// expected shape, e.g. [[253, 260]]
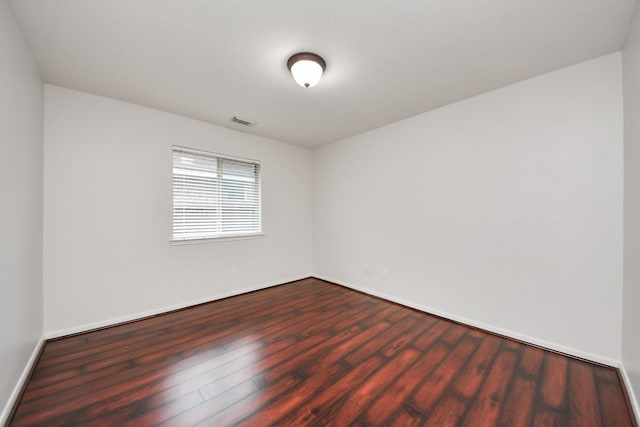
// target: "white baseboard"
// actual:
[[15, 394], [128, 318], [632, 396], [511, 334]]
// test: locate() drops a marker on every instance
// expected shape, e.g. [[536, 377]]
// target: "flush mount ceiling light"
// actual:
[[306, 68]]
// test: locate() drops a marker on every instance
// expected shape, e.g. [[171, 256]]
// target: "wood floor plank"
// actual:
[[606, 374], [512, 345], [379, 342], [474, 372], [426, 339], [340, 350], [151, 411], [400, 314], [531, 360], [398, 344], [584, 408], [408, 418], [302, 358], [545, 417], [448, 413], [613, 406], [454, 334], [381, 315], [431, 390], [212, 406], [252, 403], [354, 316], [519, 404], [486, 407], [382, 408], [359, 398], [272, 413], [311, 319], [312, 411], [310, 353], [554, 380]]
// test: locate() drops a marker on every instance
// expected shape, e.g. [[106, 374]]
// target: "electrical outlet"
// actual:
[[385, 273], [234, 271]]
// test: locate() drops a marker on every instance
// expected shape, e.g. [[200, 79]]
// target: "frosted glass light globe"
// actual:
[[306, 73]]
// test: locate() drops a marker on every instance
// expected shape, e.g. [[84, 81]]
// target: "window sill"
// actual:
[[216, 239]]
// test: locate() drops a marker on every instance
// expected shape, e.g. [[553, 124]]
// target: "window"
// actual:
[[214, 196]]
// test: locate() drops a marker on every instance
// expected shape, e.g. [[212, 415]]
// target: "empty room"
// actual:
[[320, 213]]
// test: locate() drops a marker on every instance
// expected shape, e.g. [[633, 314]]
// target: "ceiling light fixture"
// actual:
[[306, 68]]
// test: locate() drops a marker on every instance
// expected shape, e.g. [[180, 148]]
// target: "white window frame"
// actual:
[[219, 158]]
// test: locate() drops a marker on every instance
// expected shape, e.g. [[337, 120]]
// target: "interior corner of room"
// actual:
[[516, 210]]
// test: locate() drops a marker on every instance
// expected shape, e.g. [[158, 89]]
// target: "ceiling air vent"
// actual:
[[242, 121]]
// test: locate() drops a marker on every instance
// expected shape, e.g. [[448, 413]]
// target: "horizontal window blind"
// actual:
[[214, 196]]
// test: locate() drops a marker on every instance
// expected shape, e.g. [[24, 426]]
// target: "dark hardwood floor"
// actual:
[[311, 353]]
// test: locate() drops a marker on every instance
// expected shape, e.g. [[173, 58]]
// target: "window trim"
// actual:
[[216, 239], [224, 238]]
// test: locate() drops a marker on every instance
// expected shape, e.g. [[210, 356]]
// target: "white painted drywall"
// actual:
[[505, 209], [631, 292], [107, 213], [21, 111]]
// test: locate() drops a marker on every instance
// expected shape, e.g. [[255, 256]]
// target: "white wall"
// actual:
[[21, 110], [107, 213], [504, 210], [631, 305]]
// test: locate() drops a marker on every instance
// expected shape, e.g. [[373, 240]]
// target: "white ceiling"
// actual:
[[386, 60]]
